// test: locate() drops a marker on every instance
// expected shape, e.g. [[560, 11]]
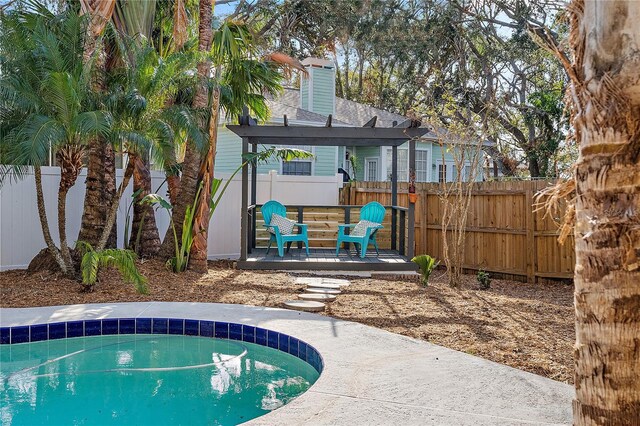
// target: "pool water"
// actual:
[[145, 380]]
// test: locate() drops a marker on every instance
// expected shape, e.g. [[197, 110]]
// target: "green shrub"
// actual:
[[124, 260], [426, 264], [484, 280]]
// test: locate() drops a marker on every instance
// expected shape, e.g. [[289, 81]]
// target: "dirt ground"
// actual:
[[530, 327]]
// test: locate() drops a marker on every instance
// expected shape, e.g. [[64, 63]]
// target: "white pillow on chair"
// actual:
[[361, 228], [284, 225]]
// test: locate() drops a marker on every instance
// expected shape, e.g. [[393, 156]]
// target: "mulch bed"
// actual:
[[530, 327]]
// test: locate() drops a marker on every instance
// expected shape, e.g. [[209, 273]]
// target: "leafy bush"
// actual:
[[426, 264], [484, 280], [182, 246], [124, 260]]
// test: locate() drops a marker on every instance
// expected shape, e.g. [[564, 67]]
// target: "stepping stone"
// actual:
[[304, 305], [325, 285], [322, 290], [340, 282], [318, 281], [317, 297]]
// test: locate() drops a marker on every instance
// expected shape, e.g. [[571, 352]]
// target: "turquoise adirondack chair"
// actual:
[[364, 233], [281, 237]]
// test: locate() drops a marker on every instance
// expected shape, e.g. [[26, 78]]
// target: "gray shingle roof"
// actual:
[[347, 112]]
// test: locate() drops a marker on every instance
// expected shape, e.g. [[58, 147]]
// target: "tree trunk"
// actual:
[[113, 207], [193, 158], [99, 194], [534, 165], [199, 249], [144, 238], [101, 174], [44, 222], [605, 93]]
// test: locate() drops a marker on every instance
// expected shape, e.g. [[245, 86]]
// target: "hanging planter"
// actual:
[[413, 197]]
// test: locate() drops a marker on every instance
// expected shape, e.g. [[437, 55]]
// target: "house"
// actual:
[[310, 105]]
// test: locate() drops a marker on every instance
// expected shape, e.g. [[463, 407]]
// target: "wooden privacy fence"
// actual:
[[503, 234]]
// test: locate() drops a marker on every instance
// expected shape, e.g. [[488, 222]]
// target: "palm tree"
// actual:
[[46, 105], [605, 93], [143, 124], [239, 80], [188, 185], [101, 162], [134, 21]]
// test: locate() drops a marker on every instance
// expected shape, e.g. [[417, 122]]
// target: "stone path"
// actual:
[[318, 291]]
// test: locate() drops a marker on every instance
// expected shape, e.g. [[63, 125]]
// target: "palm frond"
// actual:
[[123, 260]]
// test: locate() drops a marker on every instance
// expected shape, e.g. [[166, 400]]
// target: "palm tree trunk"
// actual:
[[113, 207], [44, 222], [101, 174], [199, 249], [62, 230], [145, 238], [193, 158], [100, 192], [605, 93]]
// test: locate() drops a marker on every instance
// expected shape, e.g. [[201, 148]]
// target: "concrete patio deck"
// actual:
[[370, 377]]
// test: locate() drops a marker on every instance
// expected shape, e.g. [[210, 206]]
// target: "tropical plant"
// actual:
[[46, 105], [144, 123], [123, 260], [100, 183], [182, 244], [353, 161], [605, 101], [484, 280], [239, 81], [426, 264]]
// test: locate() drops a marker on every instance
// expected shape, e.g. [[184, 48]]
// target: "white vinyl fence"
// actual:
[[21, 234]]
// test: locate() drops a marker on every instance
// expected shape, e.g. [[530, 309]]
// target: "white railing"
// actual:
[[21, 235]]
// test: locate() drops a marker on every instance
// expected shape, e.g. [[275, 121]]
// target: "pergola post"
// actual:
[[412, 206], [254, 191], [244, 207], [394, 196]]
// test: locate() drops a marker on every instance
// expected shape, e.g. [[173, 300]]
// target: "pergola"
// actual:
[[253, 135]]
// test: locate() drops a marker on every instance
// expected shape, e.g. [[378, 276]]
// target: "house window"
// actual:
[[298, 168], [302, 167], [422, 170], [371, 169], [442, 172], [403, 164], [422, 164]]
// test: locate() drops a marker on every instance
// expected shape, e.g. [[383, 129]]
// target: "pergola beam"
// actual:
[[334, 136]]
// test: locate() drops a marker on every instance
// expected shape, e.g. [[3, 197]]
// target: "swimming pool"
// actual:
[[149, 371]]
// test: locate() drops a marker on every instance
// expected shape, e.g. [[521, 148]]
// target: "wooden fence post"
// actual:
[[530, 240]]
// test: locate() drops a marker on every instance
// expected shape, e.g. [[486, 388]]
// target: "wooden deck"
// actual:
[[326, 260]]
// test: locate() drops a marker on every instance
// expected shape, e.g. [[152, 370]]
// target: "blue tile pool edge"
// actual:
[[212, 329]]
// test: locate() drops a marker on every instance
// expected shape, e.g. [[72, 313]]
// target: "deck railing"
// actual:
[[323, 220]]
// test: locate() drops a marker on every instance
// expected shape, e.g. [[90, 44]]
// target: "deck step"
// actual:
[[318, 297], [316, 290], [305, 305]]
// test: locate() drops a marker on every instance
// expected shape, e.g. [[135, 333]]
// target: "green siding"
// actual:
[[447, 150], [363, 152], [229, 152], [325, 161], [304, 94], [323, 91]]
